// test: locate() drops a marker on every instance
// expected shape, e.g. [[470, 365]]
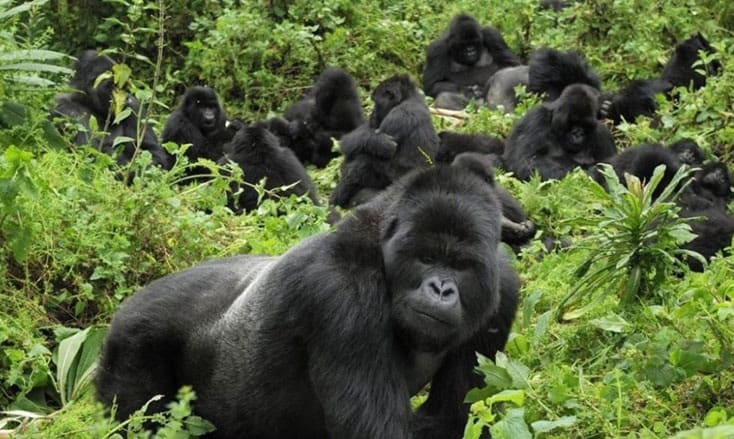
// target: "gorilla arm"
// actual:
[[365, 140], [438, 63]]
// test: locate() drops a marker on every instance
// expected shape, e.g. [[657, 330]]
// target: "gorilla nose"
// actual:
[[444, 291]]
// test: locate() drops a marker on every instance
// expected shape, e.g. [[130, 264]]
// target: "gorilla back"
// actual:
[[330, 339]]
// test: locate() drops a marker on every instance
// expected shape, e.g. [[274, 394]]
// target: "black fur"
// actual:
[[96, 101], [556, 137], [330, 339], [551, 71], [257, 152], [680, 72], [714, 232], [459, 64], [453, 144], [635, 99], [398, 137], [200, 121], [688, 152], [517, 229], [330, 110]]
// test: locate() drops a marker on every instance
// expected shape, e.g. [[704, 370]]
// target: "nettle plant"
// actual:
[[635, 241]]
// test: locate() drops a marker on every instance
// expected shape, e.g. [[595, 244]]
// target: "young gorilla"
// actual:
[[258, 154], [398, 138], [96, 101], [200, 121], [680, 72], [635, 99], [331, 109], [330, 339], [688, 152], [459, 64], [556, 137]]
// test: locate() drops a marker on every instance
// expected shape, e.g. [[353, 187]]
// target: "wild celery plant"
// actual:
[[636, 242]]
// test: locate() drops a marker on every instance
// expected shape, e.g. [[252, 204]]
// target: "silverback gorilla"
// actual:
[[330, 339], [460, 63]]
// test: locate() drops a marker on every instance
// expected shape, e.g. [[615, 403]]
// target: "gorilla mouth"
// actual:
[[429, 315]]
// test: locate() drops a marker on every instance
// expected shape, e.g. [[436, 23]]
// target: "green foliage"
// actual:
[[637, 239]]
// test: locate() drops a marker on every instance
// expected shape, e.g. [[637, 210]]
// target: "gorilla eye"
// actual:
[[426, 259]]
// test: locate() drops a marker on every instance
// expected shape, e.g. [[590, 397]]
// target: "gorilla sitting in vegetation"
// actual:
[[332, 338], [550, 71], [680, 70], [95, 97], [330, 110], [460, 63], [257, 152], [556, 137], [398, 137], [200, 121]]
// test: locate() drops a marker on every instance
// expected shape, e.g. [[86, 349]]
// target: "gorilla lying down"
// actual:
[[330, 339]]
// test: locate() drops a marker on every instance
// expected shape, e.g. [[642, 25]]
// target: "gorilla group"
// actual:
[[93, 98], [330, 339], [331, 109], [398, 137]]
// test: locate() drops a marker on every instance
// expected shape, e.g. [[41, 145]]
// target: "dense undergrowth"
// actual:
[[75, 240]]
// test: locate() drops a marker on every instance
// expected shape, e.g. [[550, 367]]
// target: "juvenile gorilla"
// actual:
[[331, 339], [398, 137], [556, 137], [680, 72], [459, 64], [200, 121], [96, 101], [331, 109], [637, 98], [258, 154]]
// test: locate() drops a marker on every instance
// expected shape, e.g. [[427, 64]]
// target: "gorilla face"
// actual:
[[201, 106], [465, 40], [573, 119], [440, 270]]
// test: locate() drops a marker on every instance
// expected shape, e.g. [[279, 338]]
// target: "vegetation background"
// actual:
[[75, 240]]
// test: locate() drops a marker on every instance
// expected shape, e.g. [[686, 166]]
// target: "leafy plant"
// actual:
[[635, 243]]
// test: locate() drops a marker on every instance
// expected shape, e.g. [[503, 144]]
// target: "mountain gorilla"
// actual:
[[452, 144], [635, 99], [200, 121], [550, 71], [688, 152], [258, 154], [331, 109], [330, 339], [459, 64], [556, 137], [94, 98], [398, 137], [680, 72]]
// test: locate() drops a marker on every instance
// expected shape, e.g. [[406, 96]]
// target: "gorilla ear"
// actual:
[[479, 164], [392, 227]]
